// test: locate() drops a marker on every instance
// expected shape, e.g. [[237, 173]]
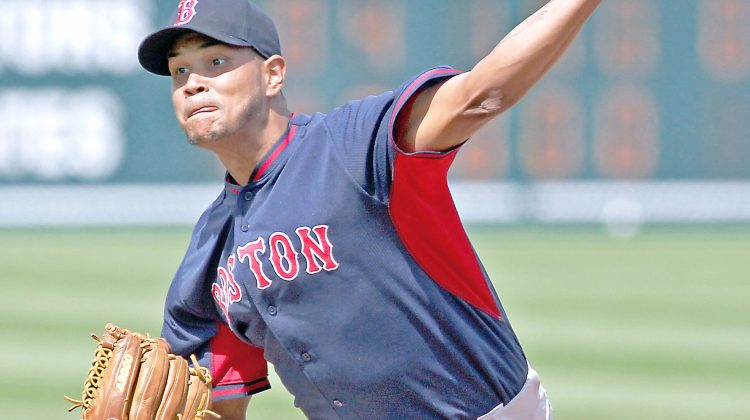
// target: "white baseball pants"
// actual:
[[530, 404]]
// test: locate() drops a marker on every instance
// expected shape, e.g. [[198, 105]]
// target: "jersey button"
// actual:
[[245, 228], [307, 357], [272, 310], [248, 196], [338, 403]]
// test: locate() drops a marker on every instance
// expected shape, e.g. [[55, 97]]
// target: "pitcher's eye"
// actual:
[[180, 70], [218, 61]]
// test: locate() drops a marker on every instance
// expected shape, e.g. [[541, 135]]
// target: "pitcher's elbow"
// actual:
[[488, 105]]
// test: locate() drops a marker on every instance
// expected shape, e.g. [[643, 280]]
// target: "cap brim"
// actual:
[[152, 53]]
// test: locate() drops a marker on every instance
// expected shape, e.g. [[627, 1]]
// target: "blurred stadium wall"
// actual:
[[646, 119]]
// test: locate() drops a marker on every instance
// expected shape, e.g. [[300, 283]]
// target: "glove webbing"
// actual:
[[94, 377]]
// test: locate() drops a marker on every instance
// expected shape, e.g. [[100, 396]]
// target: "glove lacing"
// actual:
[[94, 377]]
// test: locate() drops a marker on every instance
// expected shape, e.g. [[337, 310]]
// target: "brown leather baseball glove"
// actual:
[[135, 377]]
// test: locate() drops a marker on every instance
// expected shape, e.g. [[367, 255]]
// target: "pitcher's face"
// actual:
[[217, 89]]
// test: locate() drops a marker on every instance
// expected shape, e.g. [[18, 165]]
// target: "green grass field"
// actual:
[[656, 327]]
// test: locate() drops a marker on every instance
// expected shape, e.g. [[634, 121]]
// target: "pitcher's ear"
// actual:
[[275, 68]]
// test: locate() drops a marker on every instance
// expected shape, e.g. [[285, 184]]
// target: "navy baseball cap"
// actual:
[[233, 22]]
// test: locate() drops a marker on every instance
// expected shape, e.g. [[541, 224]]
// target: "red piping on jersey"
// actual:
[[231, 184], [252, 388], [284, 143], [425, 217]]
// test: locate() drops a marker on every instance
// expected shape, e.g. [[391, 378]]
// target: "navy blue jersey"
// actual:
[[344, 264]]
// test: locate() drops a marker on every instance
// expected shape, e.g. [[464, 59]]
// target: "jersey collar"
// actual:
[[268, 160]]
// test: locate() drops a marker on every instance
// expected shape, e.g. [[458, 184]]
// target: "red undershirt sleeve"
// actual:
[[424, 214], [238, 369]]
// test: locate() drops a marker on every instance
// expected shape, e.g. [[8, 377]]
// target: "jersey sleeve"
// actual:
[[415, 188], [363, 132], [238, 369], [192, 325]]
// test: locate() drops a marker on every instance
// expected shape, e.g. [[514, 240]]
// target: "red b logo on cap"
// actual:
[[186, 11]]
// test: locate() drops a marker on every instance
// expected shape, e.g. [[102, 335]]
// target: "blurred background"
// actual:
[[611, 206]]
